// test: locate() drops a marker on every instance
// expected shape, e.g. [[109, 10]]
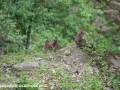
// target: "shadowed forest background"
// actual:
[[26, 24]]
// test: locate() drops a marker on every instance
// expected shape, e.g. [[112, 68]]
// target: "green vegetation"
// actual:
[[25, 25], [49, 76], [46, 20]]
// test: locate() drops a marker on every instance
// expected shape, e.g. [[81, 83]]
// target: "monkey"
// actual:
[[55, 45], [79, 39], [3, 52], [47, 45]]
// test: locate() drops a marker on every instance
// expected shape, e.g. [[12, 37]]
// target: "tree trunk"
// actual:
[[28, 39]]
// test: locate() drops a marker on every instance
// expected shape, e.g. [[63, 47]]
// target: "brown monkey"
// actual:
[[79, 39], [3, 52], [47, 45], [55, 45]]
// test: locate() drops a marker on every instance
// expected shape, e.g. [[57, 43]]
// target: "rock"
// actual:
[[98, 21], [119, 48], [37, 58], [105, 28], [115, 3], [67, 53], [111, 11], [115, 61], [26, 65], [108, 88], [74, 8]]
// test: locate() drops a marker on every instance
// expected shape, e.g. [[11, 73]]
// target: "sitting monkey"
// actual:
[[79, 39], [47, 45], [55, 45]]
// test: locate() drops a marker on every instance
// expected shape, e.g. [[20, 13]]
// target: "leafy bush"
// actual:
[[49, 19], [115, 79]]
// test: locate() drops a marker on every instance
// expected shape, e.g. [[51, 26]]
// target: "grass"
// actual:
[[47, 76]]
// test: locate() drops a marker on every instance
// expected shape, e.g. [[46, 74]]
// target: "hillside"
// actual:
[[29, 29], [67, 68]]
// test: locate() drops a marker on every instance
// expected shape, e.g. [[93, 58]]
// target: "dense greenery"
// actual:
[[26, 24], [48, 19]]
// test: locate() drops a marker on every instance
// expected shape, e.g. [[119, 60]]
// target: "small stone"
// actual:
[[53, 71], [119, 48], [37, 59], [67, 53]]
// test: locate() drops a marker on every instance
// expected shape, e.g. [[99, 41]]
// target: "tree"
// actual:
[[25, 15]]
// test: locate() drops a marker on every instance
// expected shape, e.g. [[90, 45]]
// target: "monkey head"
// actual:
[[46, 41], [54, 41], [82, 32]]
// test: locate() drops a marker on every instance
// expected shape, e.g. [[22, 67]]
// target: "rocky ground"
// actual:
[[70, 60]]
